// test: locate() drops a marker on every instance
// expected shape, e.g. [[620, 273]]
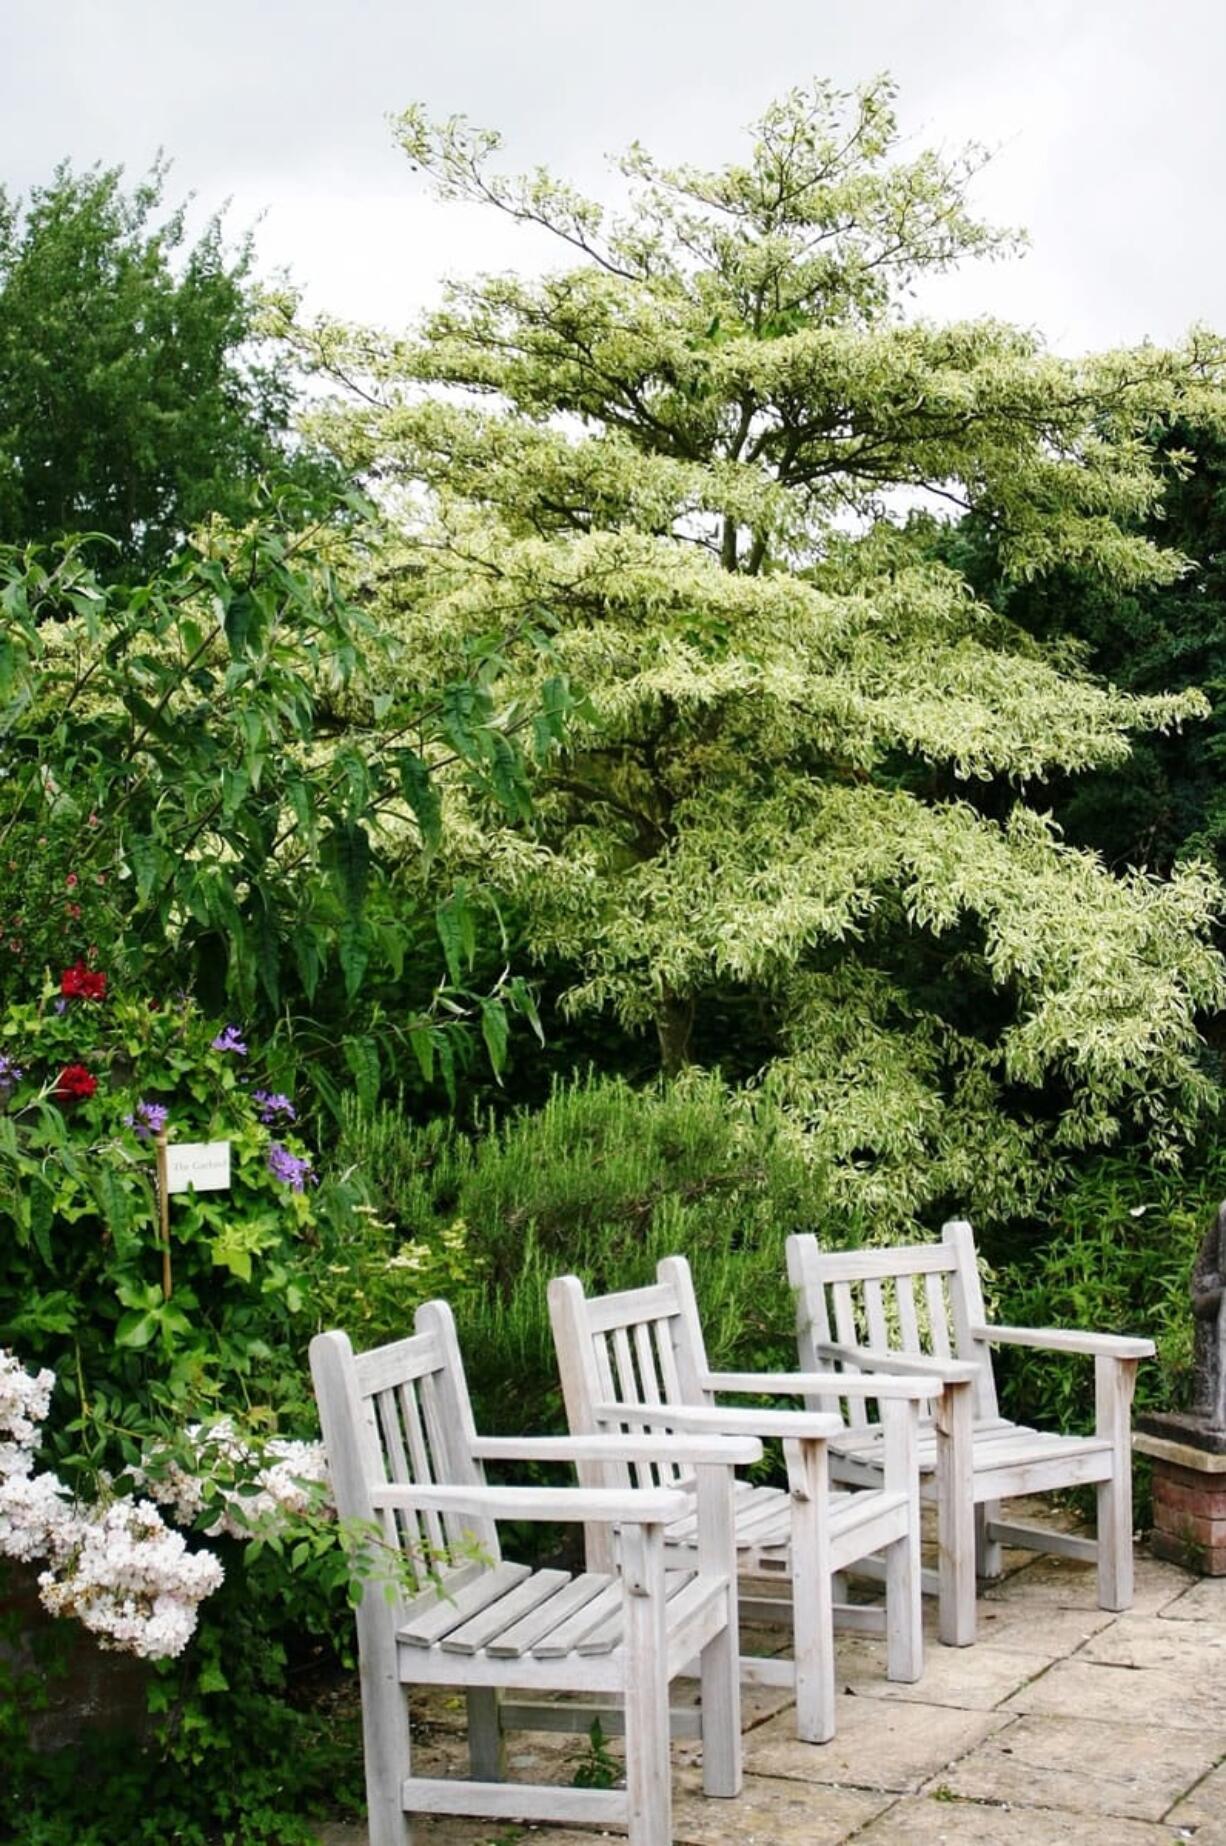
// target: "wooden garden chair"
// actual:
[[406, 1463], [636, 1360], [921, 1308]]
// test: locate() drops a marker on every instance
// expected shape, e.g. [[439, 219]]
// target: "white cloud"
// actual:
[[1111, 139]]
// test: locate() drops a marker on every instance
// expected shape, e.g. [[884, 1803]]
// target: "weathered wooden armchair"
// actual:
[[860, 1311], [636, 1360], [406, 1462]]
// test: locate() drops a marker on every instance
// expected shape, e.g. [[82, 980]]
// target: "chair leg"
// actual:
[[648, 1765], [486, 1752], [904, 1614], [720, 1668], [989, 1557], [385, 1738], [812, 1591], [956, 1514], [1114, 1380]]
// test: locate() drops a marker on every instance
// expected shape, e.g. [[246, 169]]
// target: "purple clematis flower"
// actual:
[[148, 1119], [274, 1107], [291, 1170], [10, 1074], [229, 1040]]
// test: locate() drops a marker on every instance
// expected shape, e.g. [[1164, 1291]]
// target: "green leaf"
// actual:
[[362, 1057], [421, 1038], [136, 1328], [494, 1031], [42, 1208], [211, 1678], [457, 932], [422, 797]]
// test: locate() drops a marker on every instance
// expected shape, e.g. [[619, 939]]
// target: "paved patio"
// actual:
[[1063, 1724]]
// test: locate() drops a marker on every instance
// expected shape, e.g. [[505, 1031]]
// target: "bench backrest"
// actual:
[[639, 1346], [402, 1413], [916, 1298]]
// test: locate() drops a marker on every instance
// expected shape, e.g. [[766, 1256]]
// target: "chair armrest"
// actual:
[[570, 1505], [1062, 1339], [821, 1384], [943, 1371], [733, 1452], [712, 1419]]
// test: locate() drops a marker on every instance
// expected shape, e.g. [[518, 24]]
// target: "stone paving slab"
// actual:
[[1203, 1601], [1192, 1647], [967, 1678], [1017, 1623], [1086, 1767], [1119, 1695], [1204, 1810], [880, 1745], [1071, 1585], [927, 1821], [772, 1809]]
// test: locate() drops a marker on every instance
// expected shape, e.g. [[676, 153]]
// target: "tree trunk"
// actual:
[[674, 1025]]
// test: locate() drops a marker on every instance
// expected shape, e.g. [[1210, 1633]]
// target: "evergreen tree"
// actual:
[[135, 395]]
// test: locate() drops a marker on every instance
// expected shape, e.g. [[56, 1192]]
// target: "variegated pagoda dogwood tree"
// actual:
[[810, 765]]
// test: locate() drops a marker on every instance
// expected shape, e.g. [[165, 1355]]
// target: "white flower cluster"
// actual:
[[131, 1580], [25, 1399], [117, 1567], [278, 1479]]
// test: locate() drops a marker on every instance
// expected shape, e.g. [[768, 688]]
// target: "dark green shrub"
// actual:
[[1115, 1255], [603, 1180]]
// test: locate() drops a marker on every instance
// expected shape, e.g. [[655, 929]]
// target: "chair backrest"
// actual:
[[402, 1413], [916, 1298], [639, 1346]]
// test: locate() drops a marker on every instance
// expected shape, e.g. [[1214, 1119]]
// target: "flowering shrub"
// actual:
[[89, 1076], [171, 1508], [116, 1566], [235, 1488]]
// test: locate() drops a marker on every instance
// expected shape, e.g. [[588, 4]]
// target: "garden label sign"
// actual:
[[202, 1164], [187, 1166]]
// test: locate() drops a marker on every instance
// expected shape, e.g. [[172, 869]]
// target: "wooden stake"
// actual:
[[163, 1189]]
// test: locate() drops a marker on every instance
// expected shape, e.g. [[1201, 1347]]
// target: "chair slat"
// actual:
[[454, 1526], [908, 1321], [627, 1392], [855, 1413], [874, 1314], [523, 1636], [482, 1628], [938, 1319], [608, 1634], [388, 1418], [645, 1352], [568, 1636], [435, 1614], [411, 1411], [907, 1260]]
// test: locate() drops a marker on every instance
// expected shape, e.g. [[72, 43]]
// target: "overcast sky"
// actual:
[[1107, 117]]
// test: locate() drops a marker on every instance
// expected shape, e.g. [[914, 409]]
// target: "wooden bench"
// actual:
[[406, 1465], [920, 1308]]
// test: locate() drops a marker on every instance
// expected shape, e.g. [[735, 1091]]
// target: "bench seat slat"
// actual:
[[488, 1623], [523, 1636], [435, 1614]]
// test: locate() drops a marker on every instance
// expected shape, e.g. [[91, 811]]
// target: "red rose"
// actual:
[[74, 1083], [82, 983]]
